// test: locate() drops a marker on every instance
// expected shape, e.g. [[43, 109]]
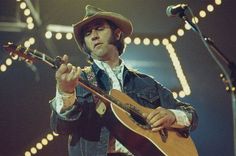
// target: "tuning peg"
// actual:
[[14, 56], [21, 59], [19, 47], [26, 51], [29, 61]]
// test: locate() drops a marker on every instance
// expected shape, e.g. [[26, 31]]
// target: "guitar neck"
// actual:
[[54, 63], [29, 54]]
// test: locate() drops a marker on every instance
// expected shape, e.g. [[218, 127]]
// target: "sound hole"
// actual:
[[139, 120]]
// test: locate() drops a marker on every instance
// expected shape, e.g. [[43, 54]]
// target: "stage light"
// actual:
[[69, 36], [33, 150], [218, 2], [202, 13], [58, 36], [177, 66], [27, 12], [27, 153], [44, 141], [3, 68], [170, 48], [39, 146], [178, 69], [187, 26], [156, 42], [55, 134], [227, 88], [127, 40], [233, 89], [8, 62], [50, 137], [59, 28], [22, 5], [210, 8], [185, 85], [48, 34], [180, 32], [29, 19], [30, 26], [165, 41], [137, 40], [146, 41], [195, 20], [175, 95], [27, 44], [32, 40], [187, 90], [173, 38], [181, 94]]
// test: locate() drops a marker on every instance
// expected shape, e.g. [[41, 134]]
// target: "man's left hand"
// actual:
[[160, 118]]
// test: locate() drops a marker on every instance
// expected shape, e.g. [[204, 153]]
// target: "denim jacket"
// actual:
[[87, 134]]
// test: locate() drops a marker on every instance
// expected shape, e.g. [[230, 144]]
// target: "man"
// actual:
[[80, 114]]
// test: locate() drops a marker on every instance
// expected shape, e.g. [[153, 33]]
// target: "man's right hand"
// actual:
[[67, 76]]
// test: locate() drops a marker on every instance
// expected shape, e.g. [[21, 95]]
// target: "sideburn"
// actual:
[[113, 39]]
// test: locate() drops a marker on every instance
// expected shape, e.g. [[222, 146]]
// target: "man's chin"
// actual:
[[99, 55]]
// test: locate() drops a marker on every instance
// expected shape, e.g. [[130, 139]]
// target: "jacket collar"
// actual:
[[96, 70]]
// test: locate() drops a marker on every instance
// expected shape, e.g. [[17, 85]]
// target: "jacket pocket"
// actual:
[[84, 99], [149, 97]]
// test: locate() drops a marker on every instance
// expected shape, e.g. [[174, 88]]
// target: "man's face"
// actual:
[[98, 38]]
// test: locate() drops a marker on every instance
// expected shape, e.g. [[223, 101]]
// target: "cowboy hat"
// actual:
[[93, 13]]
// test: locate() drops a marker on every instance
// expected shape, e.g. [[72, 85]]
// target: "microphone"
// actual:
[[174, 10]]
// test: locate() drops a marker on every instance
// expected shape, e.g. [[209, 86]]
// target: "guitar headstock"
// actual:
[[29, 55], [20, 51]]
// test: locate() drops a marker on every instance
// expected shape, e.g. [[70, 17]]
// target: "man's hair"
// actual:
[[120, 44]]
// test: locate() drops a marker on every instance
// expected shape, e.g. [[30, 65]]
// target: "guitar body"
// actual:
[[141, 141]]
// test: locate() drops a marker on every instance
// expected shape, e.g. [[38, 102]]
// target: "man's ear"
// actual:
[[117, 34]]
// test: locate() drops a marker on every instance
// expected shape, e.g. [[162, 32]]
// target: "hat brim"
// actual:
[[123, 23]]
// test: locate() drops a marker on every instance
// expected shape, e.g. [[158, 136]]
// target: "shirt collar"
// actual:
[[101, 65]]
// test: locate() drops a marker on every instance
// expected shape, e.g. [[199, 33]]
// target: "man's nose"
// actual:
[[94, 34]]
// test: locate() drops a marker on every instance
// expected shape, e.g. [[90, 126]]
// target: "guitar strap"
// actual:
[[113, 145], [100, 105]]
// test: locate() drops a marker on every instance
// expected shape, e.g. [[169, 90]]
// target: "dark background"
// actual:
[[25, 112]]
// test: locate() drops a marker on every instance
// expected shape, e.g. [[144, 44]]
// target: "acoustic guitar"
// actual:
[[128, 126]]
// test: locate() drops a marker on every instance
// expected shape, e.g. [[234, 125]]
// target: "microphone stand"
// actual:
[[230, 80]]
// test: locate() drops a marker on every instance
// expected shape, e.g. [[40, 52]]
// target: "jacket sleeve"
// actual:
[[70, 120], [169, 102], [65, 123]]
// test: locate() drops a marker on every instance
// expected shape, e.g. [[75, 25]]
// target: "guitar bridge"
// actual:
[[164, 134]]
